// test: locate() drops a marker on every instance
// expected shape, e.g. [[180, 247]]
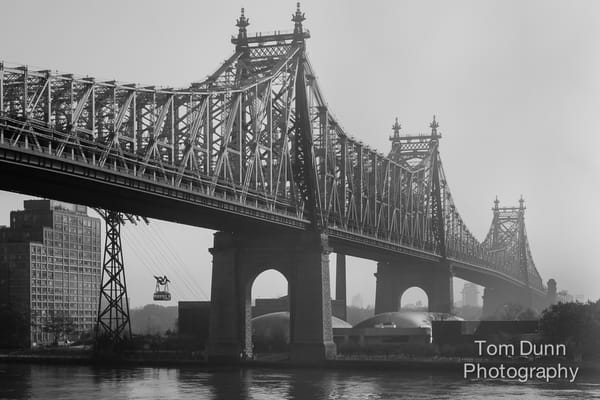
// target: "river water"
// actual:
[[25, 381]]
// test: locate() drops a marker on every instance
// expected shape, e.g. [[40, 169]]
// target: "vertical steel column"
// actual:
[[93, 128], [340, 280], [171, 139], [208, 140], [361, 189], [48, 110], [437, 209], [25, 92], [303, 168], [1, 87], [343, 182], [323, 168], [113, 322]]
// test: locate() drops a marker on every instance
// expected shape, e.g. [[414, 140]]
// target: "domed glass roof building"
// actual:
[[405, 319], [390, 330], [271, 332]]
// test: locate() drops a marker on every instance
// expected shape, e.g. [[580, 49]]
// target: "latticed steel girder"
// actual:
[[257, 133]]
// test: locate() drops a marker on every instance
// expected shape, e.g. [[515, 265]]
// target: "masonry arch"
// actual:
[[413, 298], [268, 283]]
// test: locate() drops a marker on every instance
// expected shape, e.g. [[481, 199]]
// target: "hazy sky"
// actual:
[[515, 86]]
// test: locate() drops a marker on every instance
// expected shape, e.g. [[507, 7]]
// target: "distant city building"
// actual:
[[564, 297], [418, 305], [357, 301], [470, 295], [50, 270]]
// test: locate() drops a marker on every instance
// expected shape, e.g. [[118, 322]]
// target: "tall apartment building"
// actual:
[[50, 269]]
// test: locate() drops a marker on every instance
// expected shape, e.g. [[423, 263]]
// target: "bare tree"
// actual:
[[59, 324]]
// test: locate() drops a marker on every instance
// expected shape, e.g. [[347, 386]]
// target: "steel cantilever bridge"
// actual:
[[254, 152]]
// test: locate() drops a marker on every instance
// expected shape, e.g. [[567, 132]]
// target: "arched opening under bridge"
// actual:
[[414, 298], [270, 323]]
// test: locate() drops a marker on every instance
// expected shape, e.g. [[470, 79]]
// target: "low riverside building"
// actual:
[[271, 332], [267, 306], [193, 318], [466, 332], [389, 329]]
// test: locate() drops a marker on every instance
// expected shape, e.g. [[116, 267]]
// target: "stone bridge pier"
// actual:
[[303, 258], [495, 298], [393, 279]]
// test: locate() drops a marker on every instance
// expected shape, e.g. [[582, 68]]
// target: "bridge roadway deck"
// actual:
[[68, 179]]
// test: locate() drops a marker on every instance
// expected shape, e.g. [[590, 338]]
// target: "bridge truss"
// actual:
[[256, 137]]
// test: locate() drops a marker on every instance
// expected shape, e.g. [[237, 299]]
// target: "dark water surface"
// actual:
[[28, 381]]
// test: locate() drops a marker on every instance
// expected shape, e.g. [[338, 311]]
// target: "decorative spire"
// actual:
[[396, 128], [396, 143], [242, 23], [434, 125], [496, 203], [297, 19], [521, 203]]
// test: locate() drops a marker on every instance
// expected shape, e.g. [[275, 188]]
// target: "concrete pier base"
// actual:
[[303, 258], [495, 298], [435, 279]]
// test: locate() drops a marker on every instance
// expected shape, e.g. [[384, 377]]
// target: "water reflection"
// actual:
[[20, 381], [15, 383]]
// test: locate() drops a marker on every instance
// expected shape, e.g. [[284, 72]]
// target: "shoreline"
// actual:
[[404, 364]]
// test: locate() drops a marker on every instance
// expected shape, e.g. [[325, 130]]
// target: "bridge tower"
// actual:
[[302, 256], [433, 276], [507, 232]]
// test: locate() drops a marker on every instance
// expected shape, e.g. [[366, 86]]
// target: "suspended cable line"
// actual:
[[168, 245], [163, 245], [160, 253], [150, 263]]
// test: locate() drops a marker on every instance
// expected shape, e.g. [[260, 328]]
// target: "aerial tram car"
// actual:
[[161, 292]]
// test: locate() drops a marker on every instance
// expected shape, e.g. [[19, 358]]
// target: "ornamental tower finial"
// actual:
[[521, 203], [242, 22], [395, 139], [297, 18], [434, 125], [396, 129]]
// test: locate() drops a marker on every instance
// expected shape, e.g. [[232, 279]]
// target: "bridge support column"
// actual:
[[394, 279], [493, 301], [225, 311], [340, 282], [311, 336], [387, 289], [238, 259], [551, 295], [441, 295], [495, 298]]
